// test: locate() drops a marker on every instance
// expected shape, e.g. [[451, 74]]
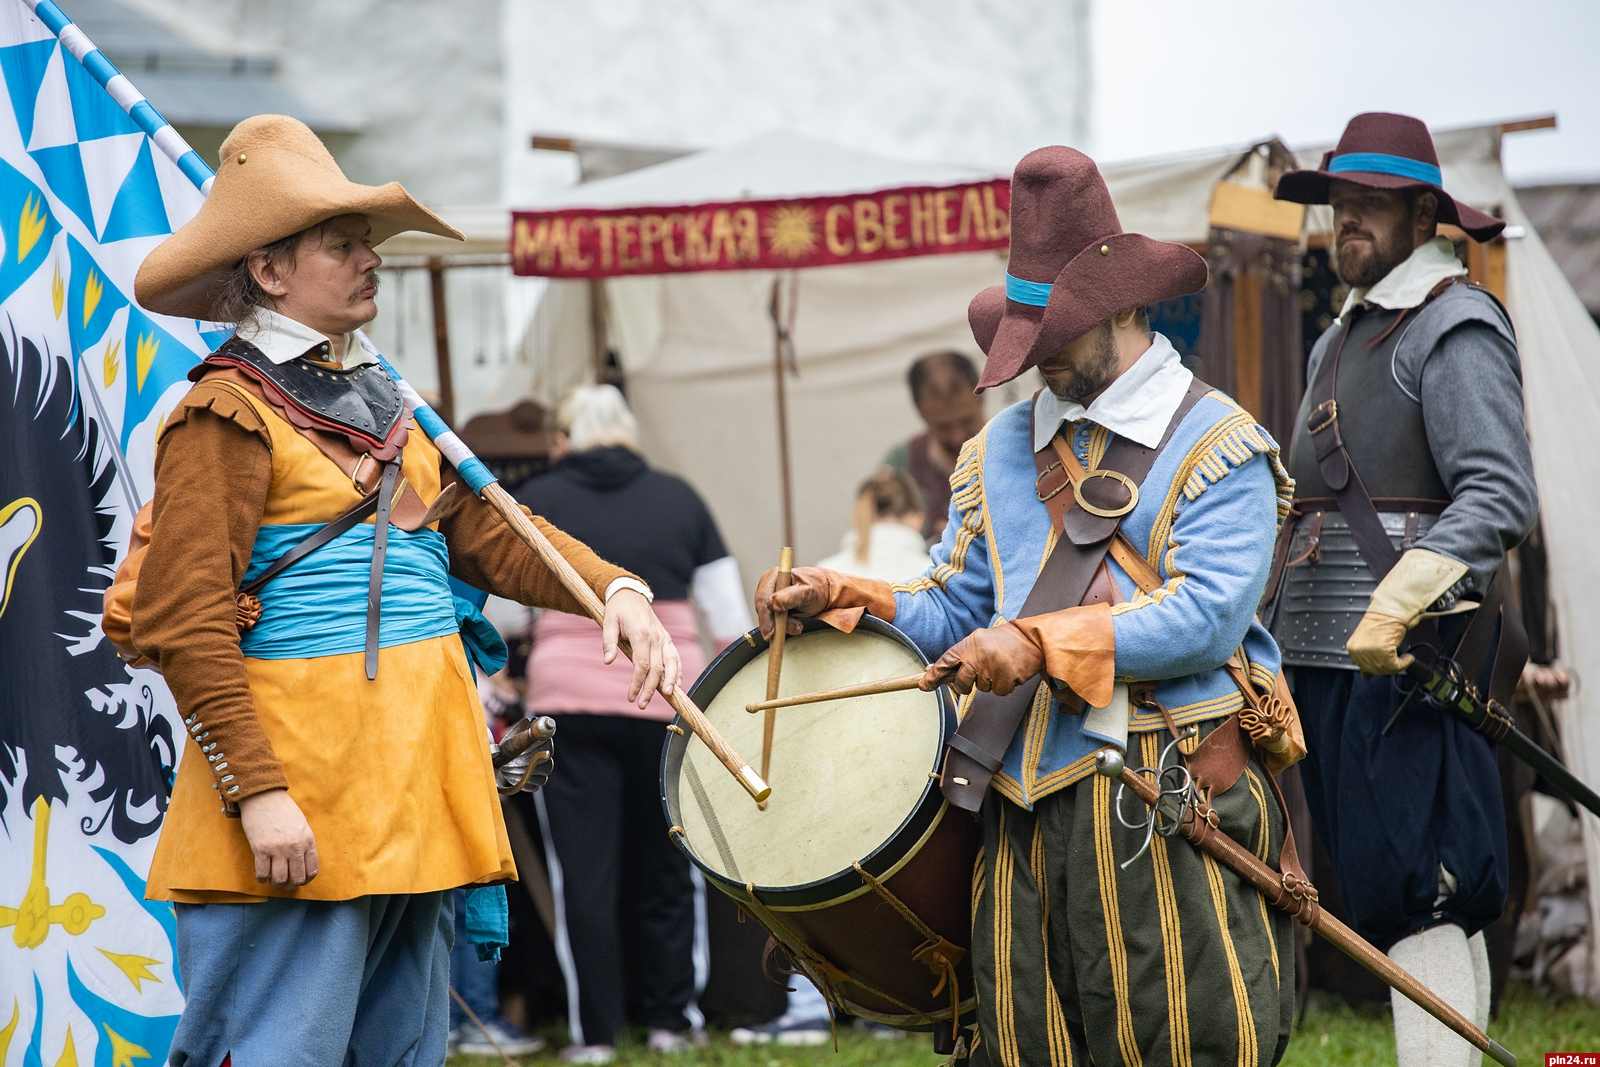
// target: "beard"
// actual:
[[1363, 266], [1091, 375]]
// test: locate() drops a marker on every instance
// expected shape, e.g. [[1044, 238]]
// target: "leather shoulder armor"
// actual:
[[363, 402]]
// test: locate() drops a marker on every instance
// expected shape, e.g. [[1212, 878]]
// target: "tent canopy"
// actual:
[[769, 167]]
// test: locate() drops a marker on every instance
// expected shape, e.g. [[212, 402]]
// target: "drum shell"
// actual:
[[925, 864]]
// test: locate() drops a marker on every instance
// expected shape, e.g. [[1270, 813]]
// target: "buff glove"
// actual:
[[1399, 603], [1077, 646], [837, 599]]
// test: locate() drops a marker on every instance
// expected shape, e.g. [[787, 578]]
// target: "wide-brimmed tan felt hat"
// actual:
[[276, 178]]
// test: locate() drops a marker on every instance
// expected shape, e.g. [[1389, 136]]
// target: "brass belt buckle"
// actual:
[[1322, 416], [1065, 481], [355, 472], [1105, 513]]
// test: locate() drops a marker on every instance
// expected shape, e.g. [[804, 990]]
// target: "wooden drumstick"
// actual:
[[695, 719], [844, 692], [780, 632]]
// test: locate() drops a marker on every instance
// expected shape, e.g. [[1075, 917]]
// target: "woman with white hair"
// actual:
[[602, 813]]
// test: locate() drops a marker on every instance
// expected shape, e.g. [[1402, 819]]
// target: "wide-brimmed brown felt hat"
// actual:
[[276, 178], [1071, 266], [1380, 150]]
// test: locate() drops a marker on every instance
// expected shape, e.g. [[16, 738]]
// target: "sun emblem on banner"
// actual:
[[792, 231]]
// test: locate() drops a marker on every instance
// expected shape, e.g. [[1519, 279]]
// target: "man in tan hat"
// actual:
[[1063, 650], [1412, 480], [332, 706]]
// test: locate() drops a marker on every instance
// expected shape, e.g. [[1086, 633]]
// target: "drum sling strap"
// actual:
[[1338, 470], [1066, 580]]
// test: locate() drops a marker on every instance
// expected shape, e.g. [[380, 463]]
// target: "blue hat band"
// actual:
[[1036, 294], [1383, 163]]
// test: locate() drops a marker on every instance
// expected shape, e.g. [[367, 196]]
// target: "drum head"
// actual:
[[851, 779]]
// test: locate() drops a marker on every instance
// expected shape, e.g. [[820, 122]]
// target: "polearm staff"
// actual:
[[172, 145], [484, 483], [1299, 899]]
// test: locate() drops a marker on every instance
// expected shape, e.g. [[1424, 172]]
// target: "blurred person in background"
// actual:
[[885, 536], [942, 385], [488, 630], [601, 817]]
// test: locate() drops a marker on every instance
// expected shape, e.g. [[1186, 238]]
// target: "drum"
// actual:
[[858, 868]]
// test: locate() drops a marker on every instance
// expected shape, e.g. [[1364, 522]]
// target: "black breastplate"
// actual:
[[1383, 428], [363, 401]]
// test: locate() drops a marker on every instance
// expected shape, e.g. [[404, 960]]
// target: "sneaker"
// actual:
[[587, 1054], [784, 1030], [468, 1040], [661, 1040]]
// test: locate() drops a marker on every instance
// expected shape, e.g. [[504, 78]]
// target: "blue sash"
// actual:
[[318, 607]]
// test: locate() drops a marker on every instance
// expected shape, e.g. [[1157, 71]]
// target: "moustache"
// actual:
[[369, 281]]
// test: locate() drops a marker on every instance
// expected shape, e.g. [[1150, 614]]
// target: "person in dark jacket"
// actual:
[[602, 822]]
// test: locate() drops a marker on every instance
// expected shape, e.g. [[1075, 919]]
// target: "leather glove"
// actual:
[[1076, 646], [1398, 603], [838, 599]]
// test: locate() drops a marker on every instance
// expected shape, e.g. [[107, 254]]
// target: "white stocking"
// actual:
[[1440, 959], [1479, 948]]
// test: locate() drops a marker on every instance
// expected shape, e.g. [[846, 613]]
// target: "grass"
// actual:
[[1529, 1026]]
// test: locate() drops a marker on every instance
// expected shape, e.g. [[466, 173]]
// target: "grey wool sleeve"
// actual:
[[1469, 381]]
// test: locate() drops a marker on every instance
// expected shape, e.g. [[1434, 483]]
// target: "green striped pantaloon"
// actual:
[[1174, 961]]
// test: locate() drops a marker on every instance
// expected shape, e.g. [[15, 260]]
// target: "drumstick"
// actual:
[[501, 501], [844, 692], [780, 631]]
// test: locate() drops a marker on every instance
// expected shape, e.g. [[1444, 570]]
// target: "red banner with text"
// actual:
[[762, 234]]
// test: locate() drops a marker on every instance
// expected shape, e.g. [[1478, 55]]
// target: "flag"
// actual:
[[88, 746]]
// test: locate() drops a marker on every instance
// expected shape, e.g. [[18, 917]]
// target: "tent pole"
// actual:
[[441, 340], [597, 330], [785, 478]]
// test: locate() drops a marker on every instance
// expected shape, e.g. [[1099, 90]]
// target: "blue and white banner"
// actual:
[[88, 747]]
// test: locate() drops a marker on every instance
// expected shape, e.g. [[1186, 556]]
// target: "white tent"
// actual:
[[696, 350]]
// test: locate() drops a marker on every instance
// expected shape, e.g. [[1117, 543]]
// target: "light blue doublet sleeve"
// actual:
[[1216, 562]]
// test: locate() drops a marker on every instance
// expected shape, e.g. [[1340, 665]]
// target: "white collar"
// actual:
[[1138, 405], [281, 339], [1409, 284]]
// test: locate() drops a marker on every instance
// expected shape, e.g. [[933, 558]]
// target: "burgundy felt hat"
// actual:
[[1071, 266], [1384, 151]]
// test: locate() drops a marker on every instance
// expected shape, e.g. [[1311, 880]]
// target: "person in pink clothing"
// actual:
[[616, 875]]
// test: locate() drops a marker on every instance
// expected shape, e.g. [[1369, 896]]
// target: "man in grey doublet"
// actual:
[[1413, 479]]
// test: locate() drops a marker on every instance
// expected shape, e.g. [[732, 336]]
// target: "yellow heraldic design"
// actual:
[[112, 364], [149, 345], [20, 521], [136, 968], [69, 1052], [58, 291], [123, 1051], [30, 226], [792, 231], [35, 915], [93, 287], [9, 1029]]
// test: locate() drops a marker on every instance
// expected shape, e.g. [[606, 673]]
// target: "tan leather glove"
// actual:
[[838, 599], [1398, 603], [1076, 646]]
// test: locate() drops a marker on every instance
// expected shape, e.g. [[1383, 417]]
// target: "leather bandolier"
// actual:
[[1074, 574], [1366, 490]]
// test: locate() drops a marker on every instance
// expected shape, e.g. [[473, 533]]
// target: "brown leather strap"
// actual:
[[992, 721], [380, 547]]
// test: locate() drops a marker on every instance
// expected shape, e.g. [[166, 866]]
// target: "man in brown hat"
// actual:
[[1412, 480], [332, 707], [1063, 650]]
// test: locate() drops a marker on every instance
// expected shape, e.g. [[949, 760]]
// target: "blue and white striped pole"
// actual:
[[469, 466]]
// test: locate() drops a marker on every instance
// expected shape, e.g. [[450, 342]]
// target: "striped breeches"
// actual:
[[1174, 961]]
